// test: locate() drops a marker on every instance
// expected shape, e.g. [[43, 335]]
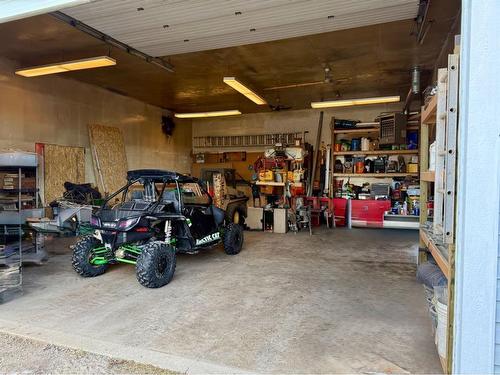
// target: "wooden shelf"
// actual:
[[370, 130], [428, 176], [22, 190], [269, 183], [377, 152], [357, 131], [429, 112], [377, 175], [433, 247]]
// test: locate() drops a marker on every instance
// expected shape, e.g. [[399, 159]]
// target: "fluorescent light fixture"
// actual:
[[67, 66], [231, 112], [350, 102], [242, 89]]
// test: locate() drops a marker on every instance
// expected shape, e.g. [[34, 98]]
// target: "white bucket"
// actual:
[[442, 328]]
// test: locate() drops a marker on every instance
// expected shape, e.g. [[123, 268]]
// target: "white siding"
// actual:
[[11, 10], [497, 320]]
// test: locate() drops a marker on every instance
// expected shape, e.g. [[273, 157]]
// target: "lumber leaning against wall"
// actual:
[[108, 155], [61, 164]]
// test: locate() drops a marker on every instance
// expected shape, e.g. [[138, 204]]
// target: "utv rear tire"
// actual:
[[235, 213], [155, 265], [233, 239], [82, 253]]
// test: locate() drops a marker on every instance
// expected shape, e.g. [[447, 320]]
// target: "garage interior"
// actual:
[[337, 158]]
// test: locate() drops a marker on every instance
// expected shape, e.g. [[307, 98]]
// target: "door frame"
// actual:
[[478, 193]]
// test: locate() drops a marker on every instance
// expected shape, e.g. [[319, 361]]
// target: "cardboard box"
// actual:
[[266, 176], [280, 220], [28, 183], [254, 218]]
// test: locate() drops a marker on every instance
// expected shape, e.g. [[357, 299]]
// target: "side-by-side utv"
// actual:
[[154, 216]]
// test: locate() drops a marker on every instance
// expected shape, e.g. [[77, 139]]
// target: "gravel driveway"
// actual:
[[26, 356]]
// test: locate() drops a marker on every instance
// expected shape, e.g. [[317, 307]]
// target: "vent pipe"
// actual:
[[415, 80], [414, 89]]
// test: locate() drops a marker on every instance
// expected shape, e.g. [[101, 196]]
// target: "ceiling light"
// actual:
[[231, 112], [92, 62], [242, 89], [351, 102]]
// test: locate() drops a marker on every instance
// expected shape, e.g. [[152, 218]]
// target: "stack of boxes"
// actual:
[[9, 185], [10, 181]]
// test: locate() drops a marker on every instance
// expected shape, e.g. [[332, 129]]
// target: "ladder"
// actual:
[[446, 144]]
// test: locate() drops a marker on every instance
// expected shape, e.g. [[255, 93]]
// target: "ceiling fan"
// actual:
[[278, 106]]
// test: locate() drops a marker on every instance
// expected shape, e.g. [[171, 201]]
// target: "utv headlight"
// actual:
[[128, 223], [94, 221]]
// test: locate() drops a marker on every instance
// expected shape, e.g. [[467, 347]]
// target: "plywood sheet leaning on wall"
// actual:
[[108, 154], [61, 164]]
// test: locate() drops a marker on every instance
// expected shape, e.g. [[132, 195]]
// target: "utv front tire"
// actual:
[[82, 255], [155, 265], [233, 239]]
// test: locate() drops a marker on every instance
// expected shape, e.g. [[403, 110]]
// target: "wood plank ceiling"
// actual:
[[366, 58]]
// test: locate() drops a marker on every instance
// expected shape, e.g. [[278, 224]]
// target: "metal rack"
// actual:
[[13, 250]]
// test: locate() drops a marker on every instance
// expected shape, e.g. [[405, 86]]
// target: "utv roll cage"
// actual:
[[151, 177]]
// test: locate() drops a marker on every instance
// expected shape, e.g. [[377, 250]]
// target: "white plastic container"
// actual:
[[432, 156], [442, 328], [365, 144]]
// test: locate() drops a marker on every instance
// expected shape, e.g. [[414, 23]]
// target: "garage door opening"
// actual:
[[244, 187]]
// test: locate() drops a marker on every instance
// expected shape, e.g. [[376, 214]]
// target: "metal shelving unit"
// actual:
[[18, 243]]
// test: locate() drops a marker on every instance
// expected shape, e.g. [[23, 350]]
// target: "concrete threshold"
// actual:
[[117, 351]]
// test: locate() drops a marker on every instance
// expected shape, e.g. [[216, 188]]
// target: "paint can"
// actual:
[[359, 167], [355, 144]]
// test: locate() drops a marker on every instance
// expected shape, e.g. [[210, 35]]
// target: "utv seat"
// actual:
[[171, 197], [137, 195], [218, 214]]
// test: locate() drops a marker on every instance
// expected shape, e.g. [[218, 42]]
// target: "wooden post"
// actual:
[[332, 159], [451, 308], [424, 185], [316, 153]]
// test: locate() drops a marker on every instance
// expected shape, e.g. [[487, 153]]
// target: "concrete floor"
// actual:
[[338, 302]]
